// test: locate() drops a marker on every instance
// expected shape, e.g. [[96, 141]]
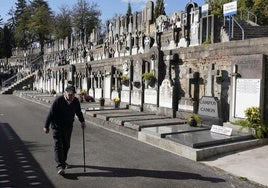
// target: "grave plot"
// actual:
[[206, 138], [163, 131]]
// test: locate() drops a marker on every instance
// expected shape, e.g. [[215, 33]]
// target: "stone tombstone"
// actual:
[[166, 94], [84, 81], [107, 85], [98, 93], [125, 96], [186, 103], [136, 93], [208, 109], [194, 36], [151, 95], [248, 76], [149, 11], [125, 92], [147, 44]]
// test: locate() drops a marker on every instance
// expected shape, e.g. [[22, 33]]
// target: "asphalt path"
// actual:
[[112, 160]]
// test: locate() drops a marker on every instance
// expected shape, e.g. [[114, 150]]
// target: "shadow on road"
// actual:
[[129, 172], [18, 168]]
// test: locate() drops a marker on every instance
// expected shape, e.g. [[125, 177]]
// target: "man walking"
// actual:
[[61, 117]]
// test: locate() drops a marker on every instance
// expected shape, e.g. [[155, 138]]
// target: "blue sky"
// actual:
[[108, 8]]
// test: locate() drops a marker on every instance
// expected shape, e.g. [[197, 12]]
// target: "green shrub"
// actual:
[[254, 122]]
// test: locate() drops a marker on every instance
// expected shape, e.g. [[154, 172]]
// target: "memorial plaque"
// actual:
[[150, 96], [208, 106], [136, 97], [221, 130], [247, 95], [125, 96]]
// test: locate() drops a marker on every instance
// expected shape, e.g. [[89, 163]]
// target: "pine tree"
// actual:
[[159, 9], [129, 9]]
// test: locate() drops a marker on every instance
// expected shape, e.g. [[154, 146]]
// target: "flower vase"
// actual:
[[102, 102], [116, 104]]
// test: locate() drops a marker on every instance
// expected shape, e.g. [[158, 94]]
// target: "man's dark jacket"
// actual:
[[61, 114]]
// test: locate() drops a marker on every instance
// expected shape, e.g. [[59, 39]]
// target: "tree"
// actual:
[[63, 23], [40, 23], [260, 8], [216, 7], [129, 9], [21, 5], [1, 20], [85, 17], [159, 9], [6, 48], [23, 36]]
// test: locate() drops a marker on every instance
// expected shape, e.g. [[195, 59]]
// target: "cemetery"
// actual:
[[161, 72]]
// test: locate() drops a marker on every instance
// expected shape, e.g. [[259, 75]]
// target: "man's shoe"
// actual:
[[67, 166], [61, 171]]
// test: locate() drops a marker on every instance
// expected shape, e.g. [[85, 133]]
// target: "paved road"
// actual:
[[112, 160]]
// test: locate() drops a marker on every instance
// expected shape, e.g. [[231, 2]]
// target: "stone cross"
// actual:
[[91, 80], [99, 79], [116, 76], [189, 76], [210, 80], [168, 60]]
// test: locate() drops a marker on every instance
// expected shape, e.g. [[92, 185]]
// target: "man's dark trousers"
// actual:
[[62, 139]]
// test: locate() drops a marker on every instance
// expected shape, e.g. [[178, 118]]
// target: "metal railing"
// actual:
[[248, 16], [9, 80], [237, 23]]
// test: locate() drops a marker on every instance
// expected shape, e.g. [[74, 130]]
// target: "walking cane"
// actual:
[[84, 155]]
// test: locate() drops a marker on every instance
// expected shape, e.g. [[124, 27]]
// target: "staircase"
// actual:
[[245, 30], [29, 79]]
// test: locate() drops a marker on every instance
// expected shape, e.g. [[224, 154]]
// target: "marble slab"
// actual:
[[107, 116], [163, 131], [122, 120], [137, 125], [206, 138], [101, 111]]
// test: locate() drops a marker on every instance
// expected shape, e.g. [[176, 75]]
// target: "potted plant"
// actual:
[[254, 122], [53, 92], [81, 95], [116, 101], [124, 80], [148, 78], [194, 119], [88, 98], [102, 101]]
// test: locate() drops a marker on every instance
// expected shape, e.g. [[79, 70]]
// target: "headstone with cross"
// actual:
[[210, 86], [91, 80], [169, 59], [208, 107], [91, 89], [189, 77], [116, 76], [99, 82]]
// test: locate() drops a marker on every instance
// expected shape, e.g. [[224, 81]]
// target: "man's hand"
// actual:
[[83, 125], [46, 130]]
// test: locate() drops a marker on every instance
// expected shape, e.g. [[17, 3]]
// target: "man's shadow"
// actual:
[[130, 172]]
